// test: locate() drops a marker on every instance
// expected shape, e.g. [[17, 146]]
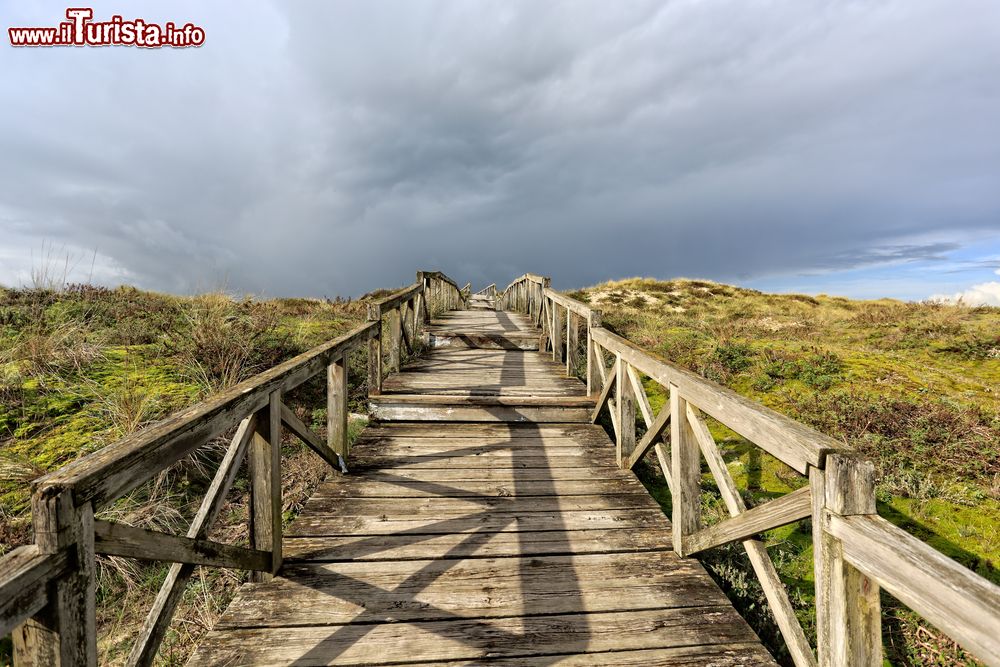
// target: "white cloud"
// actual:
[[984, 294], [997, 272]]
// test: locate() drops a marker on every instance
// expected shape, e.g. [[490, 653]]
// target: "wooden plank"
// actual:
[[853, 616], [686, 467], [265, 484], [483, 460], [791, 442], [25, 574], [487, 433], [375, 352], [116, 539], [379, 484], [331, 593], [442, 507], [555, 333], [716, 655], [64, 632], [505, 475], [498, 412], [474, 639], [960, 603], [337, 388], [593, 376], [625, 433], [774, 514], [458, 545], [490, 522], [114, 470]]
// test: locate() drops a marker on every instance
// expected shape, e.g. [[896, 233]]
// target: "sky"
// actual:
[[319, 148]]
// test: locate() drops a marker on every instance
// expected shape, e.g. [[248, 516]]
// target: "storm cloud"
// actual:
[[318, 148]]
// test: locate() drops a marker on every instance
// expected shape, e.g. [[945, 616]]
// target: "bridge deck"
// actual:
[[505, 539]]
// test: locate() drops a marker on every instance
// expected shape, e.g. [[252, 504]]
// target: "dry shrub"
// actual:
[[227, 341]]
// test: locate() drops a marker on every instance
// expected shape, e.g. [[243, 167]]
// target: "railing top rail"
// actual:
[[794, 443], [440, 276], [398, 297], [578, 307], [528, 277], [114, 470]]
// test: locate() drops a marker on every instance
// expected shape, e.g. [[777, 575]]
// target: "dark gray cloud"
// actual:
[[329, 148]]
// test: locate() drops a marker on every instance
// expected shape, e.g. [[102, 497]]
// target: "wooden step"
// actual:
[[482, 340], [542, 409]]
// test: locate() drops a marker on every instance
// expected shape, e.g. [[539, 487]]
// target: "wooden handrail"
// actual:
[[47, 589], [855, 550]]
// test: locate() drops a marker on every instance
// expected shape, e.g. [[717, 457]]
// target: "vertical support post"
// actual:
[[556, 332], [65, 631], [625, 404], [395, 338], [571, 342], [375, 352], [593, 374], [336, 407], [265, 485], [685, 492], [848, 610]]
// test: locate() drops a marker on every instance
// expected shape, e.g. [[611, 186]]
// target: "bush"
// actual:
[[226, 342]]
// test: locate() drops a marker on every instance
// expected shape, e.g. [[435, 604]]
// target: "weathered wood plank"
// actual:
[[116, 539], [959, 602], [25, 574], [778, 512], [490, 522], [330, 593], [474, 639], [401, 547]]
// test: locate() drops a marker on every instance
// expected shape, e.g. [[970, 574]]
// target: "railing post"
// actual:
[[265, 485], [555, 333], [593, 374], [65, 632], [848, 611], [685, 492], [571, 342], [625, 404], [420, 303], [375, 351], [336, 407]]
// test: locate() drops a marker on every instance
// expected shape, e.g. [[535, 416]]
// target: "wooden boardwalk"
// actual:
[[484, 520]]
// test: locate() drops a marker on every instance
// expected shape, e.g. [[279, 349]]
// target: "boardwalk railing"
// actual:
[[856, 552], [47, 589]]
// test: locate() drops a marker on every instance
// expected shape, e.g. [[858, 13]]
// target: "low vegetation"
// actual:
[[913, 386], [83, 366]]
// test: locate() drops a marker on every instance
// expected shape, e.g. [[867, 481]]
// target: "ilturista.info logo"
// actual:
[[80, 29]]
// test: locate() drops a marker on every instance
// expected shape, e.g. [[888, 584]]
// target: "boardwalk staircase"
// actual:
[[484, 516]]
